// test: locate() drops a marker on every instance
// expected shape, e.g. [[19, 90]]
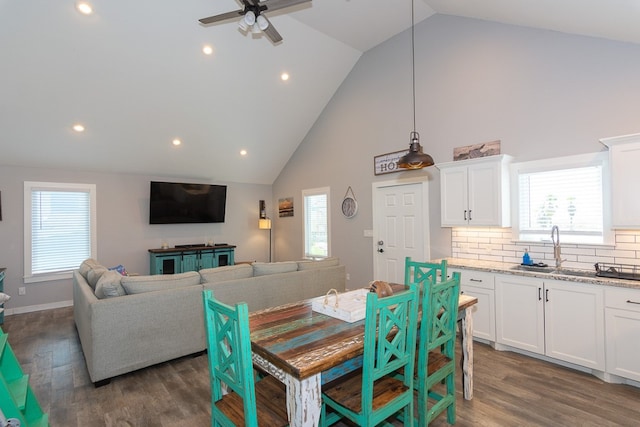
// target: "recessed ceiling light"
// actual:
[[84, 8], [78, 127], [207, 50], [243, 152], [176, 142], [284, 76]]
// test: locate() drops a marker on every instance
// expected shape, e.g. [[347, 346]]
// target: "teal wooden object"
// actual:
[[180, 260], [230, 362], [419, 272], [436, 349], [16, 396], [244, 402], [395, 319]]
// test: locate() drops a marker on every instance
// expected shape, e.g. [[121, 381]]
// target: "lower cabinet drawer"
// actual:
[[622, 298]]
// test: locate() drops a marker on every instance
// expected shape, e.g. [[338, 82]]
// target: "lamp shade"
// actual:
[[415, 158], [264, 224]]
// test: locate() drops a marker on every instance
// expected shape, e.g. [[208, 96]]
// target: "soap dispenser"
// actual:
[[526, 259]]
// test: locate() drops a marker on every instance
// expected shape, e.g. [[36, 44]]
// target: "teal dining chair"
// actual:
[[236, 399], [375, 392], [436, 350], [418, 272]]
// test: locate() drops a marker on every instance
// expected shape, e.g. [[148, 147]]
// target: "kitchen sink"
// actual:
[[577, 273], [534, 268]]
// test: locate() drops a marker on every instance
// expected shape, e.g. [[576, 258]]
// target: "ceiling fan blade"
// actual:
[[279, 4], [222, 17], [272, 33]]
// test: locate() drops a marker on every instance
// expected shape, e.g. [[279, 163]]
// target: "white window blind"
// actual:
[[316, 223], [569, 195], [59, 228]]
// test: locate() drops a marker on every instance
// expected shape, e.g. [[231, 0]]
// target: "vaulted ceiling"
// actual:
[[134, 74]]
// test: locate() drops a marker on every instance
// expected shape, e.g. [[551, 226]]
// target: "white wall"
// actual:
[[542, 93], [124, 232]]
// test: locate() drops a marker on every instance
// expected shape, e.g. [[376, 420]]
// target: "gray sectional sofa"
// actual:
[[127, 323]]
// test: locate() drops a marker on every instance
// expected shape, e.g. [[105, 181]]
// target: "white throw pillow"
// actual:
[[109, 285], [4, 298]]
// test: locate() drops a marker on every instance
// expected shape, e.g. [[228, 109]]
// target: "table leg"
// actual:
[[467, 353], [304, 400], [304, 397]]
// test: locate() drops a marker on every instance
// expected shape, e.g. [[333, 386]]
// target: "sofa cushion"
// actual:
[[310, 265], [229, 272], [94, 275], [158, 282], [87, 265], [264, 268], [109, 285]]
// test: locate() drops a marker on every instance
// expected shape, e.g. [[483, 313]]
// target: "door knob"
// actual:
[[380, 243]]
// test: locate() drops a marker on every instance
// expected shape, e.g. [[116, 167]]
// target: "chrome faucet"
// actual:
[[555, 238]]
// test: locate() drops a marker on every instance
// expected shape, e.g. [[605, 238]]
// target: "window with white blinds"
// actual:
[[59, 229], [567, 192], [316, 222]]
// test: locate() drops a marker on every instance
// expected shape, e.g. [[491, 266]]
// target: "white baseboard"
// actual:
[[39, 307]]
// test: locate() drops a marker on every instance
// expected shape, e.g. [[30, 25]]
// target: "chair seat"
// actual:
[[348, 391], [437, 361], [271, 403]]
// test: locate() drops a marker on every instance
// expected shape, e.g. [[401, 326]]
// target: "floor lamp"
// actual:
[[265, 224]]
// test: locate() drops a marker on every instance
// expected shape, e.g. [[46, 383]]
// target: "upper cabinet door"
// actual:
[[454, 196], [624, 159], [475, 192]]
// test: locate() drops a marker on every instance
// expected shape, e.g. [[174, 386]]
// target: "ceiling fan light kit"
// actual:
[[415, 158], [252, 18]]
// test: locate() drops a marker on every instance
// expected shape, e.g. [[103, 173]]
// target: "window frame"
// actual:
[[561, 163], [315, 192], [29, 188]]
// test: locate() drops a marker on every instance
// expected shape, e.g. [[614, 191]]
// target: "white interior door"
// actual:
[[400, 228]]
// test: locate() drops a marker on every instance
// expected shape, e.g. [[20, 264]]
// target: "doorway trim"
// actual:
[[424, 185]]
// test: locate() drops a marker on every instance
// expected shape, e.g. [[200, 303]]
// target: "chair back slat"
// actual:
[[421, 272]]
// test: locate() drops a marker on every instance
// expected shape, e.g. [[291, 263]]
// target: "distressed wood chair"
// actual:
[[418, 272], [436, 350], [370, 395], [247, 403]]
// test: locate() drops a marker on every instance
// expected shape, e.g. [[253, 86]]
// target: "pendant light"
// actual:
[[415, 158]]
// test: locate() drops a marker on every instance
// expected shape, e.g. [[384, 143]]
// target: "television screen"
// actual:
[[178, 203]]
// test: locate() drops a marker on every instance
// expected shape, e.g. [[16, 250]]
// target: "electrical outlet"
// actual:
[[22, 290], [348, 276]]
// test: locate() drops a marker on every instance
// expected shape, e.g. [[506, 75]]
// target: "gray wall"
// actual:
[[542, 93], [124, 232]]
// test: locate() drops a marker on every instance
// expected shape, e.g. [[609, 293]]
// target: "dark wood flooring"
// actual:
[[510, 389]]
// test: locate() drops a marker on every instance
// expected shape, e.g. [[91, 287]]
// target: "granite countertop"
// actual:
[[570, 275]]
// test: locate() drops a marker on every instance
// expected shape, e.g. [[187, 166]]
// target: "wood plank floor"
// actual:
[[510, 389]]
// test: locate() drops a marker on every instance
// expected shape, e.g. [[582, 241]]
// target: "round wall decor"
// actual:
[[349, 204]]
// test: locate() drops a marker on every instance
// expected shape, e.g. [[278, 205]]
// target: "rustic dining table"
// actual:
[[297, 345]]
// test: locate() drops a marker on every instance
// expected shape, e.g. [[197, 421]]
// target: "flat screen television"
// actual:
[[181, 203]]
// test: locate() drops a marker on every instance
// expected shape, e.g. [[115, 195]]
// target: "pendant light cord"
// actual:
[[413, 66]]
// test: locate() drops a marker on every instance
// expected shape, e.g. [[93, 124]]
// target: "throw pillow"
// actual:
[[159, 282], [109, 285], [4, 298], [94, 275], [264, 268], [311, 265], [87, 265], [230, 272]]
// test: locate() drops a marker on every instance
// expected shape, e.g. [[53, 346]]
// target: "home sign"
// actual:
[[387, 163]]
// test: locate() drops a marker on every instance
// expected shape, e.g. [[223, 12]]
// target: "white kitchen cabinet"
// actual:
[[560, 319], [624, 158], [622, 319], [480, 285], [475, 192]]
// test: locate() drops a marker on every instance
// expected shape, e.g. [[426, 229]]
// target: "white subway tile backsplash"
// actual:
[[498, 244]]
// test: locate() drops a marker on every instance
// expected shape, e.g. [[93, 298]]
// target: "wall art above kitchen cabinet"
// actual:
[[475, 192]]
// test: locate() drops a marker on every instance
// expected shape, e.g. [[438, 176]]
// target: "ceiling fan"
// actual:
[[252, 16]]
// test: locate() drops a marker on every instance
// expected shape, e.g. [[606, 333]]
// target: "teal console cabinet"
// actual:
[[189, 258]]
